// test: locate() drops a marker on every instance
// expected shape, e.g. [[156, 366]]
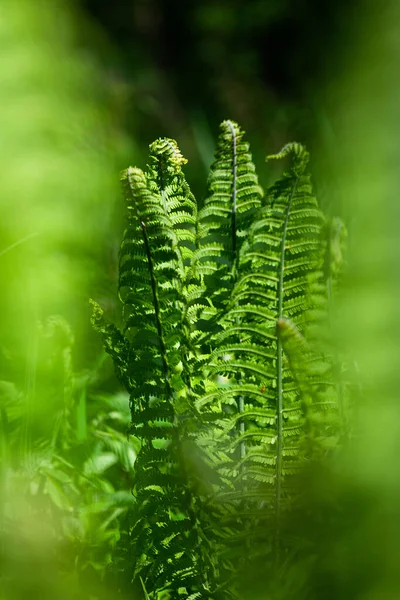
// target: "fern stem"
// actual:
[[279, 365], [156, 303], [235, 257], [18, 243], [234, 196]]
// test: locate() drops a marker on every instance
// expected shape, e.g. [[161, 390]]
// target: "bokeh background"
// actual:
[[85, 86]]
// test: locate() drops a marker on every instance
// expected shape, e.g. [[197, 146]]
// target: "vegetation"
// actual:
[[265, 505], [231, 390]]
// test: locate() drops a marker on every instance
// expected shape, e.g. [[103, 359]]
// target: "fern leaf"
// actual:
[[232, 198]]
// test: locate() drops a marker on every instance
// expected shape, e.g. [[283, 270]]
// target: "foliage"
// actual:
[[229, 395], [174, 70], [65, 462], [61, 148], [69, 478]]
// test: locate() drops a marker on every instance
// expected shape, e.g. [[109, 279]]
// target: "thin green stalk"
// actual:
[[234, 200], [146, 595], [156, 304], [18, 243], [235, 256]]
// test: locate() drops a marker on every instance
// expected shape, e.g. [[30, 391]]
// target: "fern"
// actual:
[[154, 263], [233, 196], [228, 385], [270, 296]]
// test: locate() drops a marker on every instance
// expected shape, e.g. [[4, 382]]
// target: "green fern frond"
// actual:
[[275, 261], [299, 156], [165, 177], [155, 282], [233, 196]]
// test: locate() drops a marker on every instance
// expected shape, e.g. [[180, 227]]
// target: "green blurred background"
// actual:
[[85, 86]]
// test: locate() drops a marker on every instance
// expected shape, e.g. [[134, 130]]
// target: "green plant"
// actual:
[[65, 482], [232, 389]]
